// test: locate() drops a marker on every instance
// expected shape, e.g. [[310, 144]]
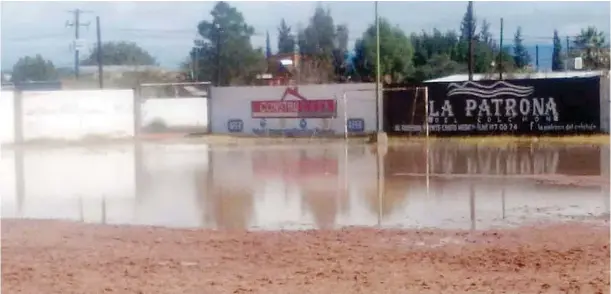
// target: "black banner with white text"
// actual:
[[513, 107]]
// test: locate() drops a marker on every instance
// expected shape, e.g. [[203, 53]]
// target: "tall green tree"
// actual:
[[468, 22], [324, 46], [396, 53], [485, 36], [340, 53], [226, 56], [468, 27], [318, 38], [33, 69], [268, 45], [592, 47], [120, 53], [286, 40], [520, 54], [557, 64]]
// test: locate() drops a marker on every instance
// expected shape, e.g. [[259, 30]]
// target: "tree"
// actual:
[[34, 69], [396, 53], [557, 64], [438, 65], [468, 27], [591, 46], [268, 46], [226, 56], [325, 47], [120, 53], [485, 36], [286, 40], [340, 53], [468, 22], [318, 38], [317, 44], [520, 54]]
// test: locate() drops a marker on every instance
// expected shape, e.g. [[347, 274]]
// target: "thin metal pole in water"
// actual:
[[378, 70], [503, 199], [426, 140], [345, 117]]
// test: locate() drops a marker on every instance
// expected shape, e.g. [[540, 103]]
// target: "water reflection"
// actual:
[[283, 187]]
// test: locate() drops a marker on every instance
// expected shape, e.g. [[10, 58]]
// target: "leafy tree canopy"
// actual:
[[286, 39], [34, 69], [226, 56], [592, 47], [520, 54], [120, 53], [557, 63], [396, 53]]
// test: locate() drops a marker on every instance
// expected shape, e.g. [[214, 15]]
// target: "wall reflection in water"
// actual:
[[282, 187]]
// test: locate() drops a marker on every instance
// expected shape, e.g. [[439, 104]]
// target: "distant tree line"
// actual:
[[225, 55]]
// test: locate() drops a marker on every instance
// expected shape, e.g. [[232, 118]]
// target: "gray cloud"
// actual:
[[39, 27]]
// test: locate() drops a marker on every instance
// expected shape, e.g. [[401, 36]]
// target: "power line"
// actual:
[[36, 37]]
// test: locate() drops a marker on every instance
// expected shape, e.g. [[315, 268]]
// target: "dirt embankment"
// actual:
[[62, 257]]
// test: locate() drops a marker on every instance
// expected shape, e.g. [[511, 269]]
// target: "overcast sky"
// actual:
[[167, 29]]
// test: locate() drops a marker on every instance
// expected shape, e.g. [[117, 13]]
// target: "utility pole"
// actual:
[[470, 58], [501, 52], [537, 57], [77, 25], [566, 63], [218, 53], [99, 37]]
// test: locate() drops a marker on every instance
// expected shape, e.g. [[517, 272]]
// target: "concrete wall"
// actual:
[[80, 114], [182, 113], [234, 104], [75, 115], [7, 120]]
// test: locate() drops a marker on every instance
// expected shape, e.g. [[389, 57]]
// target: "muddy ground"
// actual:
[[65, 257]]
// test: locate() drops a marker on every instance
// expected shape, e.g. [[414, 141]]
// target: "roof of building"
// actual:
[[518, 76], [93, 69]]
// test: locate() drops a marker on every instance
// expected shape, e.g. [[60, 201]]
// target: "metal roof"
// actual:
[[519, 76]]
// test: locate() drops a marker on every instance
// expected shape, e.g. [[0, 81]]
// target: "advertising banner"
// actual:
[[534, 106], [302, 108]]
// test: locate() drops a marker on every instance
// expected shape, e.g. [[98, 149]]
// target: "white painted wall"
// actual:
[[176, 112], [233, 103], [7, 121], [74, 115]]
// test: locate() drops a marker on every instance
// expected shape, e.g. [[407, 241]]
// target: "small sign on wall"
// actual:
[[355, 125], [235, 125]]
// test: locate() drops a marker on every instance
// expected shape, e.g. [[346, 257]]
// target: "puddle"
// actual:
[[294, 188]]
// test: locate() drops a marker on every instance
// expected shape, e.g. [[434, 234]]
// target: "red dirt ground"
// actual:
[[64, 257]]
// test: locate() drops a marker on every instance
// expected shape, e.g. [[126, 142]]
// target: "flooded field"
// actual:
[[471, 219], [306, 186]]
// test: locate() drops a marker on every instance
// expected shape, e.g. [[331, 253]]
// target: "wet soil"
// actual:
[[64, 257]]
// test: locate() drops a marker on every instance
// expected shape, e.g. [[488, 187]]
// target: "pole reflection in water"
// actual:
[[380, 152], [294, 187], [472, 205]]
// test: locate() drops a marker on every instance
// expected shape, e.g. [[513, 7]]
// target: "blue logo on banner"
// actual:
[[263, 123], [303, 123], [235, 125], [355, 125]]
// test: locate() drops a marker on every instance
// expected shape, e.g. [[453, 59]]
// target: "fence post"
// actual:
[[18, 116], [137, 111], [209, 108]]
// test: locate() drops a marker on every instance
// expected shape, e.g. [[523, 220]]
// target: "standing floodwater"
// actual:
[[306, 186]]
